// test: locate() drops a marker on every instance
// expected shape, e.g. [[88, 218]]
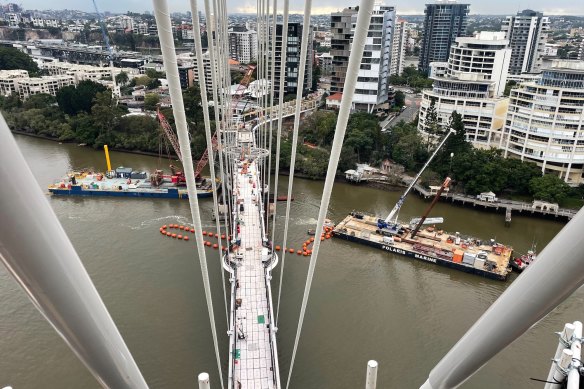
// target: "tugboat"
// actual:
[[521, 263]]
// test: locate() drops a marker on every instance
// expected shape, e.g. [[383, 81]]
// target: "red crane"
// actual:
[[170, 134]]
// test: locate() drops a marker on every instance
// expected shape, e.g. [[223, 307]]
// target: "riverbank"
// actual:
[[138, 152]]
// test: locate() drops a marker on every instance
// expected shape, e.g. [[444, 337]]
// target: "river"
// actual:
[[365, 304]]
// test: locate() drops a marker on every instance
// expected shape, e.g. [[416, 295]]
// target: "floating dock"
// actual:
[[441, 248]]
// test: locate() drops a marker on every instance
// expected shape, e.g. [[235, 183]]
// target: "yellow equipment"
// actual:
[[107, 159]]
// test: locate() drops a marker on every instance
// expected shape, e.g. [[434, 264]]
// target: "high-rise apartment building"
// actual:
[[444, 21], [342, 30], [243, 44], [398, 50], [372, 86], [545, 121], [294, 36], [527, 35], [471, 83]]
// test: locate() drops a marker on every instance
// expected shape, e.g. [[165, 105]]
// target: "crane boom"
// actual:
[[401, 200], [109, 48], [167, 128], [425, 215]]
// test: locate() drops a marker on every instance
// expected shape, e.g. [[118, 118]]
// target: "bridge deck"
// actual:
[[253, 366]]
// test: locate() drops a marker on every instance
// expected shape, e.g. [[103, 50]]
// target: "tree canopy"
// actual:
[[549, 187], [12, 59], [74, 99]]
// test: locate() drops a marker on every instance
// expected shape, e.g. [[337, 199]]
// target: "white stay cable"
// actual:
[[272, 80], [205, 104], [284, 49], [361, 29], [222, 80], [299, 89], [170, 66]]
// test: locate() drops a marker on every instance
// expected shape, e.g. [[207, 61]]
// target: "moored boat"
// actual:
[[522, 262]]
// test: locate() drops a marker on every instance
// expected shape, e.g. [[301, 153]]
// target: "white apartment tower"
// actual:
[[398, 50], [527, 36], [243, 44], [545, 122], [372, 82], [471, 83]]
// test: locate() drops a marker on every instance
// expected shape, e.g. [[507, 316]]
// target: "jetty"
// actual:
[[508, 206]]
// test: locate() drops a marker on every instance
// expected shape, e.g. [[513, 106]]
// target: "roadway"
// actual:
[[408, 115]]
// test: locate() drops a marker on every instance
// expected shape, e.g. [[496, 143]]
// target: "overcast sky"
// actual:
[[404, 7]]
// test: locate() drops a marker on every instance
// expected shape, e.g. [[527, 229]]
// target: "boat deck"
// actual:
[[253, 363], [433, 243], [98, 184]]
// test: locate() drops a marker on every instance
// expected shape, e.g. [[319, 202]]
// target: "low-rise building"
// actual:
[[334, 101], [46, 84], [9, 81]]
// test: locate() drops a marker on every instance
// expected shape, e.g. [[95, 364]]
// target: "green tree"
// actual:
[[74, 99], [508, 87], [154, 83], [41, 100], [154, 74], [10, 102], [12, 59], [122, 78], [105, 113], [151, 100], [399, 99], [432, 125], [316, 72], [549, 187], [236, 76]]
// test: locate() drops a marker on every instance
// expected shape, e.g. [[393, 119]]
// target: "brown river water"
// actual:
[[365, 303]]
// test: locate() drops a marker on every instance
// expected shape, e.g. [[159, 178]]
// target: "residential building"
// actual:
[[334, 101], [85, 72], [207, 71], [294, 37], [372, 87], [444, 22], [46, 84], [140, 28], [13, 19], [581, 51], [527, 36], [186, 75], [545, 122], [325, 61], [342, 30], [398, 49], [551, 50], [9, 81], [187, 34], [127, 23], [472, 84], [243, 44]]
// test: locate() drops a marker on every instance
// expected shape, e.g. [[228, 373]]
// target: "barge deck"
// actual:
[[486, 259]]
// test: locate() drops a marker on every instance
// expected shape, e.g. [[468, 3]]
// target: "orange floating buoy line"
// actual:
[[306, 248]]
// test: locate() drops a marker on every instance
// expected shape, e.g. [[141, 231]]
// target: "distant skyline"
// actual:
[[404, 7]]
